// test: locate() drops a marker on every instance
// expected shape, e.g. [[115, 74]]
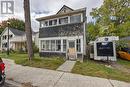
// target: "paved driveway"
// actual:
[[50, 78]]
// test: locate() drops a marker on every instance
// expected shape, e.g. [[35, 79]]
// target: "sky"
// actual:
[[41, 8]]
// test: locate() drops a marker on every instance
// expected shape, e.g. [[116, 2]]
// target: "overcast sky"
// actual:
[[40, 8]]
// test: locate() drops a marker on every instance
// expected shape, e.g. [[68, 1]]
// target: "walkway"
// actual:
[[67, 66], [50, 78]]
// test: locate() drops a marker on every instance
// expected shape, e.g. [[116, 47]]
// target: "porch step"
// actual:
[[67, 66]]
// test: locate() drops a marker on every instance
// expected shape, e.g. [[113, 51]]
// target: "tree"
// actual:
[[113, 15], [28, 29], [93, 31], [13, 23]]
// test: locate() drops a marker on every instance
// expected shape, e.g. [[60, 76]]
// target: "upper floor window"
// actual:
[[50, 22], [63, 20], [44, 23], [75, 19], [10, 36], [4, 37], [53, 22]]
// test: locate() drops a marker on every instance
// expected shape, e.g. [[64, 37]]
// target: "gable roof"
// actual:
[[64, 8], [17, 32], [63, 14]]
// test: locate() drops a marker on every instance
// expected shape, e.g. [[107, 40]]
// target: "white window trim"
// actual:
[[63, 38], [49, 46], [81, 14]]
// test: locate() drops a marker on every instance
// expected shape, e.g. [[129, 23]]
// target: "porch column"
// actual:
[[61, 45]]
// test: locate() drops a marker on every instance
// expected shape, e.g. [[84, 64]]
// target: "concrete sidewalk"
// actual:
[[67, 66], [50, 78]]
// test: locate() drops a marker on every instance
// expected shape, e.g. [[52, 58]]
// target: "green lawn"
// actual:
[[92, 68], [125, 63], [39, 62]]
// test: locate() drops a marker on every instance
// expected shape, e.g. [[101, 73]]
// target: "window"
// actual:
[[63, 20], [50, 22], [4, 45], [3, 37], [47, 45], [64, 45], [78, 41], [6, 37], [10, 36], [52, 45], [44, 23], [43, 45], [75, 19], [58, 45], [54, 22]]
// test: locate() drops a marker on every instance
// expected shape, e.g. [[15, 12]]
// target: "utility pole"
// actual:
[[8, 39]]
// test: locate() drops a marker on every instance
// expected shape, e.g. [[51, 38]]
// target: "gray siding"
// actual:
[[63, 30]]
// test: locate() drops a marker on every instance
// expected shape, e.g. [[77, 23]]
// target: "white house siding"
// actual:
[[16, 40], [5, 40]]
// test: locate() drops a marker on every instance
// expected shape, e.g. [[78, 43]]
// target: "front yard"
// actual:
[[124, 63], [88, 67], [93, 68], [39, 62]]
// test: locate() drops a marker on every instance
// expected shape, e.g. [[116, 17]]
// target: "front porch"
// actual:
[[71, 48]]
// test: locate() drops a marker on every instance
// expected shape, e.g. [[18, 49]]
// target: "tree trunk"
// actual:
[[28, 29]]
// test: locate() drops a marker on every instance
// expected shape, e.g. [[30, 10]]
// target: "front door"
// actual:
[[71, 50]]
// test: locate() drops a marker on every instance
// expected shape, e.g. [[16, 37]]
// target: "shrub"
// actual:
[[121, 44]]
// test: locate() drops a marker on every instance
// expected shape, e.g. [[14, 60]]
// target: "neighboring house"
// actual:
[[17, 39], [63, 32]]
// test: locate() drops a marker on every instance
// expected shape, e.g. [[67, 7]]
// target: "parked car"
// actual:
[[2, 72], [124, 53]]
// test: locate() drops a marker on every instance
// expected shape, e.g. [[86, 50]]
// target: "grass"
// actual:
[[92, 68], [39, 62], [125, 63]]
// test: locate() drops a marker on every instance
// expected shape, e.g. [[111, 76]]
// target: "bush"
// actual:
[[121, 44], [35, 48]]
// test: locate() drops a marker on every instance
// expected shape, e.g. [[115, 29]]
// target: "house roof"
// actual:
[[58, 14], [17, 32], [64, 8]]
